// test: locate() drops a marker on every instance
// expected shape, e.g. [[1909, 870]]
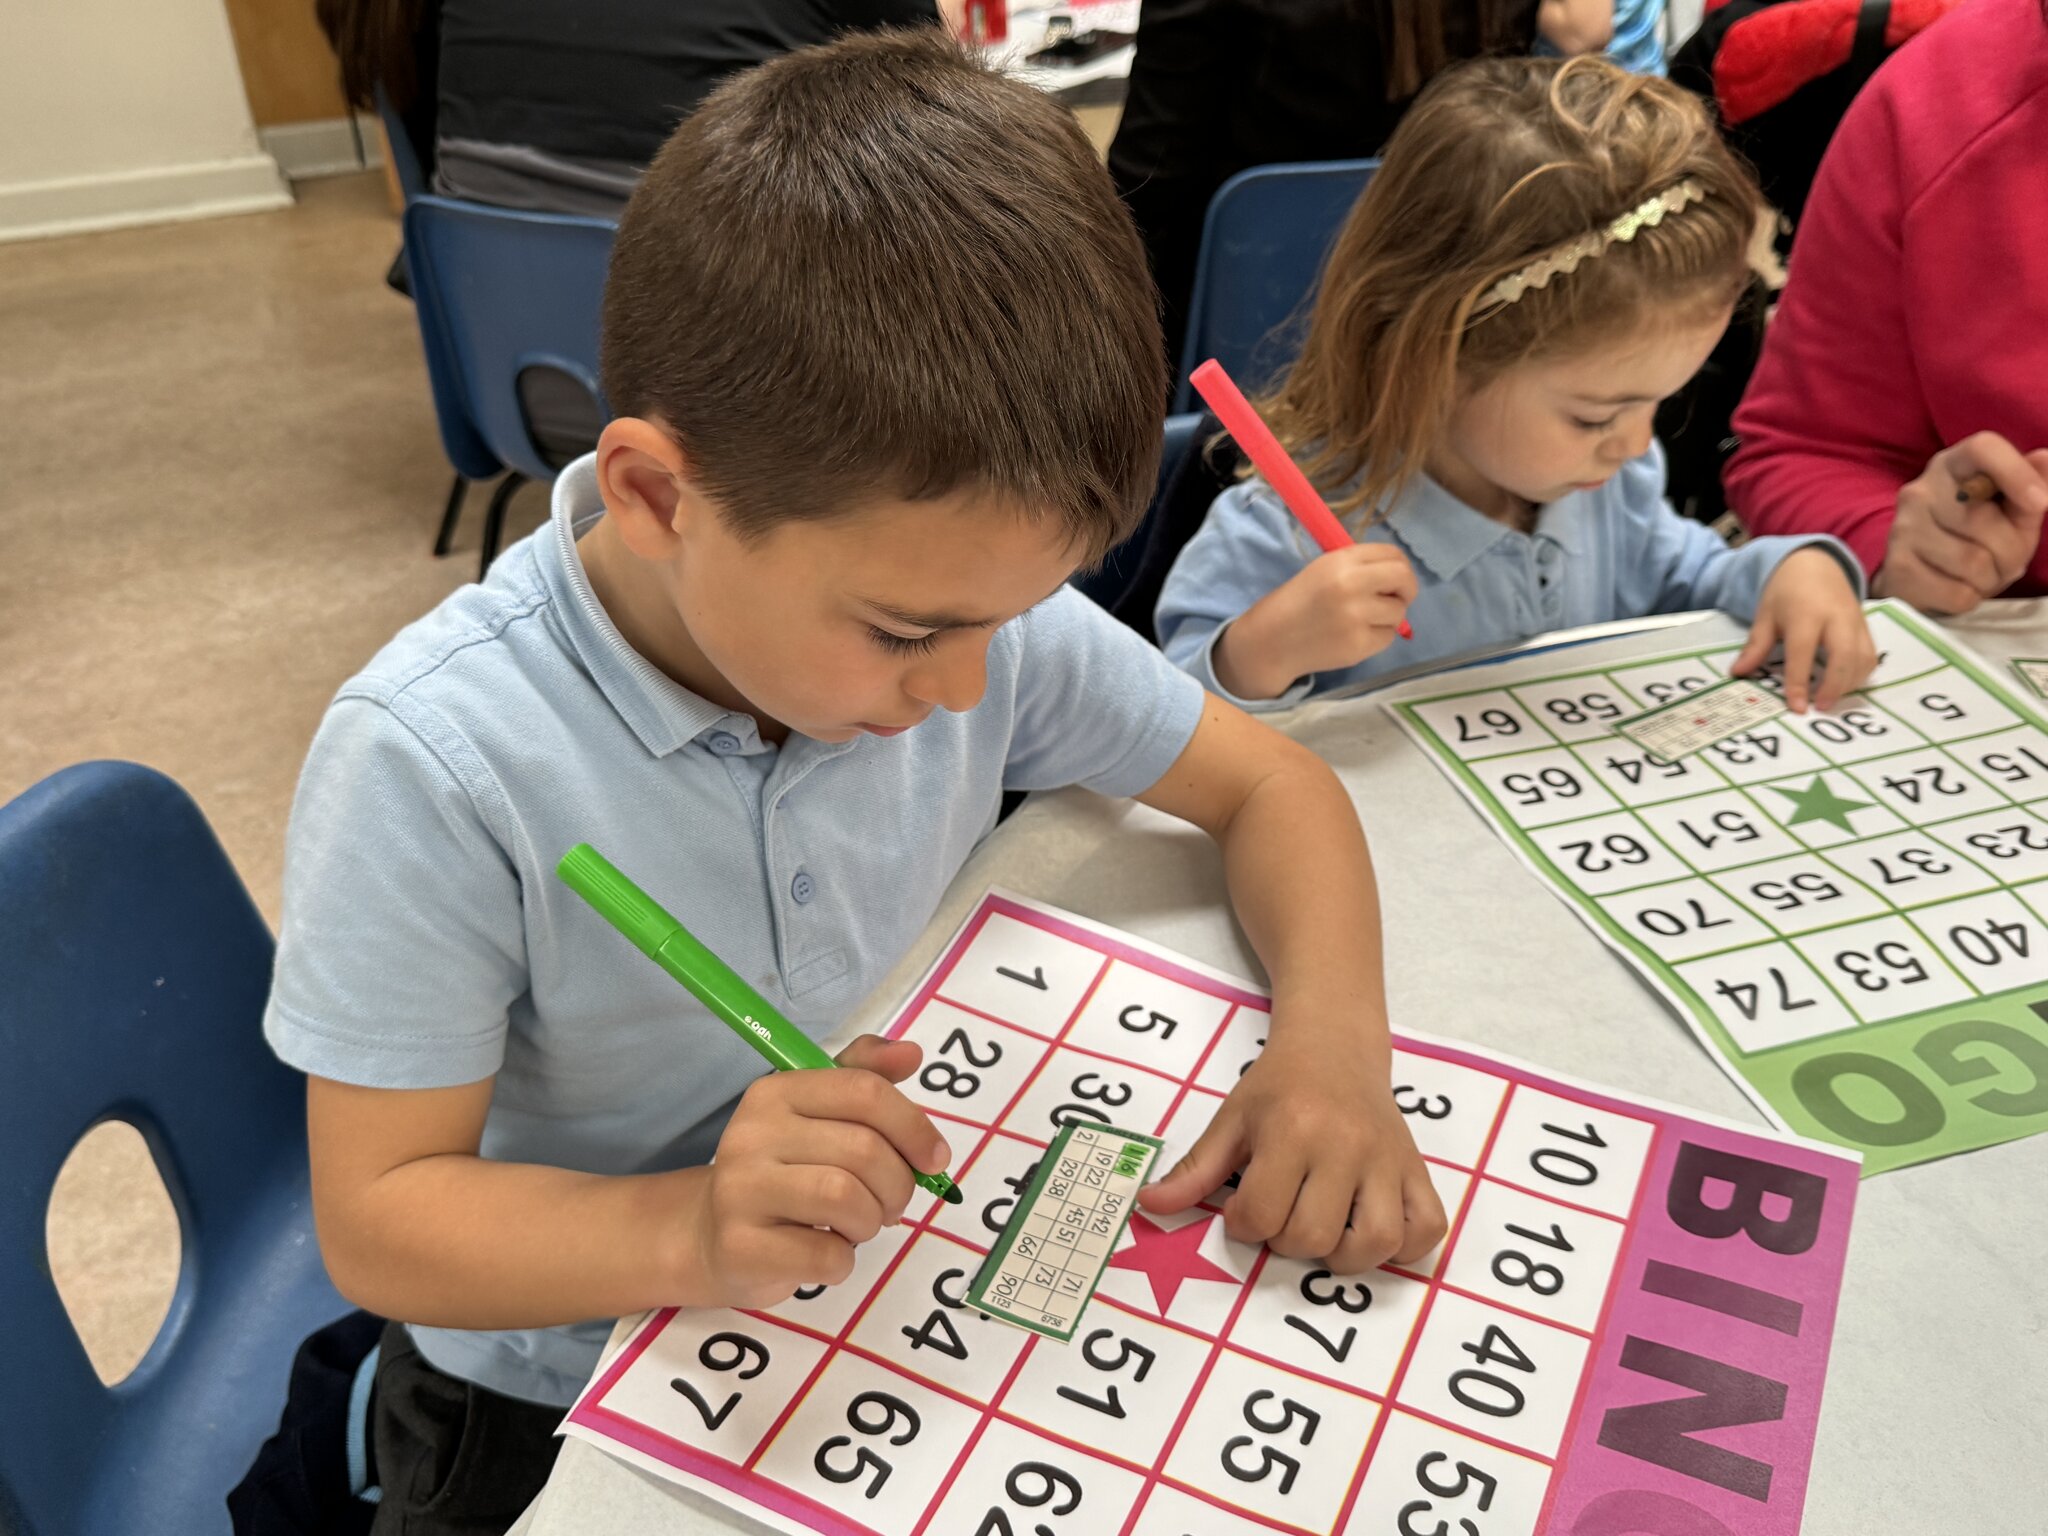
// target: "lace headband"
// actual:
[[1566, 258]]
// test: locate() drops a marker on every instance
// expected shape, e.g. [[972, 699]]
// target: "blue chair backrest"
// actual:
[[467, 452], [133, 972], [1263, 243], [405, 155], [508, 291]]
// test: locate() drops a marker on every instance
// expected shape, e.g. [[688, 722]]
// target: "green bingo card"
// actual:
[[1050, 1257], [1846, 908]]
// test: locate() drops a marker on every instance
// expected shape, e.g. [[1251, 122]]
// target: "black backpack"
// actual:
[[1779, 82]]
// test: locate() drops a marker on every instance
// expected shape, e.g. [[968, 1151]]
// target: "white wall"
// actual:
[[123, 112]]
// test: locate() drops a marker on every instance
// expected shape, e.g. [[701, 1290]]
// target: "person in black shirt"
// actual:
[[557, 105], [1219, 86]]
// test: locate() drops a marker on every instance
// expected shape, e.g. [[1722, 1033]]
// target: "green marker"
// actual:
[[713, 983]]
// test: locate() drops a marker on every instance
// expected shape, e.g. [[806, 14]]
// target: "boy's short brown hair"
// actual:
[[877, 269]]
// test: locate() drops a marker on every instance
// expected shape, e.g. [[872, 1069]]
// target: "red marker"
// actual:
[[1271, 460]]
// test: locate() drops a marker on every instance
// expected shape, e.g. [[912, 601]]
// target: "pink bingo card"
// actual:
[[1626, 1328]]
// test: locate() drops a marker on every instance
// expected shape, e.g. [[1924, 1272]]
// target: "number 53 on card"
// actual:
[[1632, 1303]]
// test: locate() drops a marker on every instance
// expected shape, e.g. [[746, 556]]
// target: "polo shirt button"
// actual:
[[724, 743], [802, 887]]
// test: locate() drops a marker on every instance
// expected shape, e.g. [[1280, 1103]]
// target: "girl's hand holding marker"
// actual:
[[1343, 607], [1337, 610]]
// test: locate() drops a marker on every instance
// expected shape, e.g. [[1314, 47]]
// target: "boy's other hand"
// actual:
[[1330, 1171], [1810, 608], [1947, 556], [811, 1165], [1333, 613]]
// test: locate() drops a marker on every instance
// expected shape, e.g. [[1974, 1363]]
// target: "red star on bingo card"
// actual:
[[1167, 1256]]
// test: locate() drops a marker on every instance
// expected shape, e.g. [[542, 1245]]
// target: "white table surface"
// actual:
[[1936, 1414]]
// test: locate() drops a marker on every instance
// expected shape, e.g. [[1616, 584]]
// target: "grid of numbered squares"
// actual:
[[1814, 874], [1211, 1385]]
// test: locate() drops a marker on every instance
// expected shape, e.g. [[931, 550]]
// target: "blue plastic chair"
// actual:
[[405, 155], [468, 454], [133, 971], [1263, 243], [504, 291]]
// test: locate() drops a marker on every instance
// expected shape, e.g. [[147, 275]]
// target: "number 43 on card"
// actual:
[[1849, 909]]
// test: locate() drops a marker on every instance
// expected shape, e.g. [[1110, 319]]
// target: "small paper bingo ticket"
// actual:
[[1701, 718], [2033, 671], [1630, 1310], [1049, 1259]]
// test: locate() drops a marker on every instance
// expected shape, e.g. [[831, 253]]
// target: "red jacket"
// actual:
[[1917, 311]]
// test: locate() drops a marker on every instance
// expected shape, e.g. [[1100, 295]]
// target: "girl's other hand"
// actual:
[[1810, 607]]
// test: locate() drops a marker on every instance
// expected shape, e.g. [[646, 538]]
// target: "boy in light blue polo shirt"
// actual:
[[888, 370]]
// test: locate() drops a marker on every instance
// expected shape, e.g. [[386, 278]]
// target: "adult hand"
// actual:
[[1576, 26], [1946, 555]]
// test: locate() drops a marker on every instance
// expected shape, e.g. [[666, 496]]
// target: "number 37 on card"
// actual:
[[1849, 909], [1626, 1327]]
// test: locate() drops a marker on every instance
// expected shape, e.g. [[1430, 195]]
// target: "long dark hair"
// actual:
[[1421, 37], [374, 41]]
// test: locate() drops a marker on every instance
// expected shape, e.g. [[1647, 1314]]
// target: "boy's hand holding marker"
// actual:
[[1968, 527], [819, 1156], [811, 1165]]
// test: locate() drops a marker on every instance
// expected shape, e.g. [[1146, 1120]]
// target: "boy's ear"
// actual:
[[645, 482]]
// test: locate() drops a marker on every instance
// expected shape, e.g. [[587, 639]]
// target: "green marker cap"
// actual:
[[618, 900]]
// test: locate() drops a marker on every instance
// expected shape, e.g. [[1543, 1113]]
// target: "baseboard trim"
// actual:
[[159, 195], [328, 146]]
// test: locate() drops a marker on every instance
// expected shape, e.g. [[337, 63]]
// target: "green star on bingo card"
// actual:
[[1817, 802]]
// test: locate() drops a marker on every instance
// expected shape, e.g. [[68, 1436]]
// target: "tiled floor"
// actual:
[[217, 499]]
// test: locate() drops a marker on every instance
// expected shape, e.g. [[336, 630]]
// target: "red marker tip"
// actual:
[[1404, 631]]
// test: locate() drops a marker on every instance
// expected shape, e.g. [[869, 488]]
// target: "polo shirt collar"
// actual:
[[1446, 535], [1568, 521], [1440, 531], [660, 711]]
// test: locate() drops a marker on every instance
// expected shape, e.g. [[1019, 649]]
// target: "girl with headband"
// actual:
[[1548, 251]]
